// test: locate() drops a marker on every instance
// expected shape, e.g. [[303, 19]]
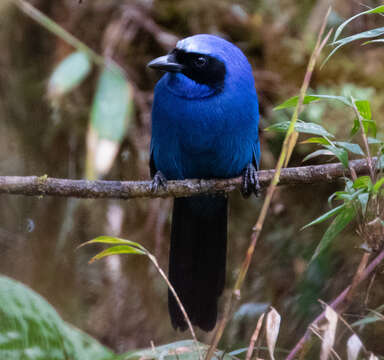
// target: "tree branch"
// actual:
[[37, 186]]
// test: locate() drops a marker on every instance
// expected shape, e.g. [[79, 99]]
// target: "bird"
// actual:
[[205, 118]]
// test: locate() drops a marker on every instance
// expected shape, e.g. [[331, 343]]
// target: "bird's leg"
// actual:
[[250, 182], [159, 181]]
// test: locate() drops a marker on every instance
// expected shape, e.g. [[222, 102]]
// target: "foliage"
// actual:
[[31, 329]]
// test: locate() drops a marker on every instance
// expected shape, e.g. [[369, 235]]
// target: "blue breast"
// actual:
[[200, 133]]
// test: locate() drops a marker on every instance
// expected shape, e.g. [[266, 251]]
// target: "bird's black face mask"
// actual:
[[203, 69]]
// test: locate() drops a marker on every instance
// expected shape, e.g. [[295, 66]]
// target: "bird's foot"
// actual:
[[250, 182], [158, 182]]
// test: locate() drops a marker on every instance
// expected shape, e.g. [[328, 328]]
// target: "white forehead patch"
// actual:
[[192, 44]]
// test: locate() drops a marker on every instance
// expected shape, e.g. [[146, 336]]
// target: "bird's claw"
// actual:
[[250, 182], [158, 182]]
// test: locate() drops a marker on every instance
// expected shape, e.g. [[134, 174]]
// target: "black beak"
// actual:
[[166, 63]]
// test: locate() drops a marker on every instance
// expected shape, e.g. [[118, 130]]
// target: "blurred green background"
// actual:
[[122, 301]]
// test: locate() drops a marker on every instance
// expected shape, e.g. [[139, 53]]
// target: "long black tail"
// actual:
[[197, 259]]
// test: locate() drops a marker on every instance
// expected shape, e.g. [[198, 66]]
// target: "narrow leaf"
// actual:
[[363, 35], [117, 250], [337, 225], [363, 199], [378, 185], [340, 153], [68, 74], [292, 102], [354, 346], [329, 333], [373, 41], [272, 330], [362, 182], [317, 153], [378, 9], [325, 216], [316, 140], [373, 141], [113, 240], [300, 127], [364, 108], [352, 148]]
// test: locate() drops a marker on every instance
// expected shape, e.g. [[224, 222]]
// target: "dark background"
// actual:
[[122, 300]]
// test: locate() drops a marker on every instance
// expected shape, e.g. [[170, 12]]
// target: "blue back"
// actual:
[[203, 132]]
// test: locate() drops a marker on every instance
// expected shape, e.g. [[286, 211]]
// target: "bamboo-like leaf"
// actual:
[[292, 102], [373, 41], [329, 333], [363, 200], [325, 216], [272, 330], [379, 183], [340, 153], [364, 108], [338, 31], [363, 35], [300, 127], [118, 250], [317, 153], [111, 108], [373, 141], [362, 182], [354, 346], [338, 224], [316, 140], [352, 148], [69, 74], [114, 241]]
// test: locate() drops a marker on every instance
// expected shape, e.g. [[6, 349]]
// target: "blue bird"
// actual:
[[204, 125]]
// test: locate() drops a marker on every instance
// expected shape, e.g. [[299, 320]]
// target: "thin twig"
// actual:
[[254, 337], [46, 186]]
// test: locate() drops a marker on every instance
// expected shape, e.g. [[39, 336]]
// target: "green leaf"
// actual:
[[300, 127], [118, 250], [337, 225], [363, 182], [363, 199], [114, 241], [111, 106], [316, 140], [292, 102], [378, 9], [180, 350], [367, 320], [379, 183], [68, 74], [317, 153], [325, 216], [364, 108], [373, 141], [352, 148], [363, 35], [340, 153], [373, 41], [31, 329]]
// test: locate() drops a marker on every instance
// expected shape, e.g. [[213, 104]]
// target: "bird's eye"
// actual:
[[200, 62]]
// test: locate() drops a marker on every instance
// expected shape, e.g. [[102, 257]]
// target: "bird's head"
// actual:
[[204, 64]]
